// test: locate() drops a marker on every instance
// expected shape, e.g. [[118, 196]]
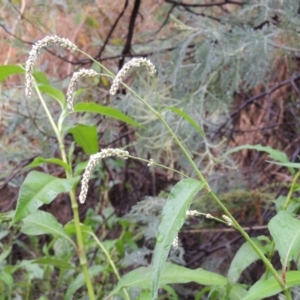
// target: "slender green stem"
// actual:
[[157, 164], [47, 112], [250, 241], [208, 189], [97, 62], [109, 260], [80, 246], [28, 288], [159, 116], [291, 191]]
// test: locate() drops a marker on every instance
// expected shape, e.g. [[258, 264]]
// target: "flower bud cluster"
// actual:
[[35, 51], [151, 162], [74, 79], [192, 213], [135, 62], [94, 159], [227, 220], [175, 243]]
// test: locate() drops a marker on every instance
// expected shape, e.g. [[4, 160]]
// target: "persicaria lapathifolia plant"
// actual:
[[180, 198]]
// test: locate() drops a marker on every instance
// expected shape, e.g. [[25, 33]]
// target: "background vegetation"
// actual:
[[231, 65]]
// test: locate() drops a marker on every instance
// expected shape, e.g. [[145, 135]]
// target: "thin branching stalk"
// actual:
[[153, 163], [81, 253], [110, 261], [291, 191], [80, 246], [267, 263]]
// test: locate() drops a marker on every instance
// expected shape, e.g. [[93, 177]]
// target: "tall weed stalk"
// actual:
[[179, 199]]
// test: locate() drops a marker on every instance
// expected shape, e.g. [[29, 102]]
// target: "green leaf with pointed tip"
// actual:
[[270, 287], [41, 78], [53, 261], [40, 160], [7, 216], [244, 257], [79, 92], [173, 216], [8, 70], [273, 153], [106, 111], [237, 292], [80, 281], [171, 273], [54, 93], [287, 164], [294, 204], [42, 222], [290, 165], [4, 233], [285, 231], [188, 118], [7, 279], [5, 253], [80, 167], [86, 137], [38, 189]]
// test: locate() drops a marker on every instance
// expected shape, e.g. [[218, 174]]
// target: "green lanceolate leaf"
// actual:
[[56, 262], [293, 206], [188, 118], [273, 153], [106, 111], [237, 292], [41, 78], [244, 257], [173, 216], [38, 189], [40, 160], [285, 231], [4, 254], [288, 164], [171, 273], [270, 287], [80, 281], [7, 216], [80, 167], [7, 279], [86, 137], [41, 222], [291, 166], [7, 70], [54, 93]]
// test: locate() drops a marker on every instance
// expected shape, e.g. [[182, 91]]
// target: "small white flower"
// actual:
[[175, 242], [94, 159], [209, 216], [227, 219], [35, 51], [74, 79], [192, 213], [135, 62], [151, 162]]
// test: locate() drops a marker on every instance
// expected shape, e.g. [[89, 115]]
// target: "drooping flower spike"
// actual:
[[74, 79], [33, 55], [94, 159], [135, 62]]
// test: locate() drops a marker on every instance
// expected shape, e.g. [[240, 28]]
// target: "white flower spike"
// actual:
[[74, 79], [135, 62], [35, 51], [94, 159]]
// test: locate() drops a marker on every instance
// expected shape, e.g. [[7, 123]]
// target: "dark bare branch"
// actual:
[[127, 46]]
